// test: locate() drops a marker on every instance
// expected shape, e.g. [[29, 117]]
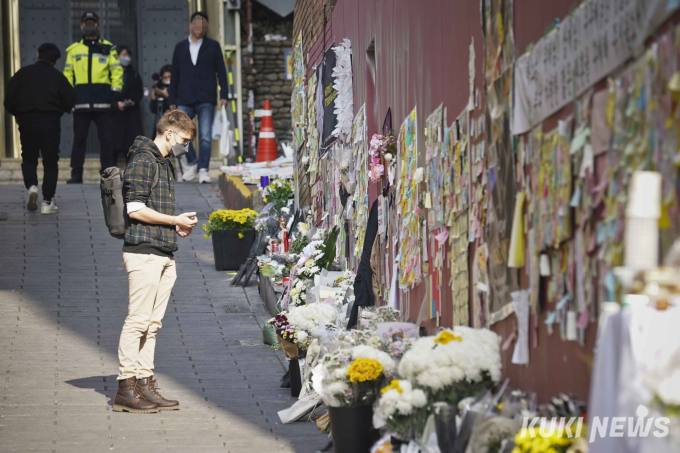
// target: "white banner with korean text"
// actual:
[[591, 42]]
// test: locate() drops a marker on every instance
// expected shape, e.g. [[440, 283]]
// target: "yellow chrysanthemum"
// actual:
[[364, 370], [446, 337], [394, 385]]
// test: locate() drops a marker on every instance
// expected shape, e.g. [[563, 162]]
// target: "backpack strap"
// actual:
[[157, 175]]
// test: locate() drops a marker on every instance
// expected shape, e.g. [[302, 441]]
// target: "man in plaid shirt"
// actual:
[[150, 241]]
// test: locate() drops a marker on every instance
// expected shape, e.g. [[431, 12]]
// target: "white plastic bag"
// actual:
[[221, 131]]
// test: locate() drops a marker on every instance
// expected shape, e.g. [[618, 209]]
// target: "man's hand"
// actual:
[[183, 232], [121, 105], [223, 102], [186, 220]]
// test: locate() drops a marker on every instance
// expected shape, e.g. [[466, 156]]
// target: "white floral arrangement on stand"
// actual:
[[453, 364]]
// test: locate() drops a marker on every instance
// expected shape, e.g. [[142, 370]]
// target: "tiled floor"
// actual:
[[63, 297]]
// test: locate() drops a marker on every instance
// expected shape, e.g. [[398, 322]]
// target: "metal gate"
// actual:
[[161, 25], [151, 28]]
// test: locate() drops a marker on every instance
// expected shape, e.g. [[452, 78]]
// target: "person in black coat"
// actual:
[[37, 95], [127, 119]]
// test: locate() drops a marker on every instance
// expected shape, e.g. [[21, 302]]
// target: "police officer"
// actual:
[[92, 67]]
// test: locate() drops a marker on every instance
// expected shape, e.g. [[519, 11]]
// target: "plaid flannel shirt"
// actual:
[[138, 185]]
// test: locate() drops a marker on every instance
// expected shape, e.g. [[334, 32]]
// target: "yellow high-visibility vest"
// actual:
[[92, 67]]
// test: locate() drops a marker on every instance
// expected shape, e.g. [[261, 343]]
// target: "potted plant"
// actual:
[[232, 234]]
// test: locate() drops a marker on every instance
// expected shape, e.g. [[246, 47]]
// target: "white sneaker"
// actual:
[[203, 176], [189, 173], [32, 198], [48, 207]]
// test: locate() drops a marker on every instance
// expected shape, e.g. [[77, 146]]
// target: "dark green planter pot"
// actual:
[[352, 429], [230, 251]]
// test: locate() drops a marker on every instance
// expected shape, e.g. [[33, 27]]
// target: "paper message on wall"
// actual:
[[589, 44]]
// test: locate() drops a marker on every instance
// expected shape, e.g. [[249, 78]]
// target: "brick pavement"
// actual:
[[62, 302]]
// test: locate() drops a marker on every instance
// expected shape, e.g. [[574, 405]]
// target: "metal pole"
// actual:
[[239, 85]]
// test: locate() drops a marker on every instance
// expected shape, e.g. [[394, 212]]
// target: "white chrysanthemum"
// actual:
[[436, 365], [309, 317], [399, 399]]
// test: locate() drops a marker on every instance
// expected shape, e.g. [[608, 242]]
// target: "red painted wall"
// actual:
[[421, 59]]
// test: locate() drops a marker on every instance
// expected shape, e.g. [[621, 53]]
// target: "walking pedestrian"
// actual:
[[127, 118], [150, 241], [37, 95], [92, 67], [197, 67], [158, 94]]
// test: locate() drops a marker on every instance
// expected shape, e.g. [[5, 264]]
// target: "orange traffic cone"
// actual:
[[266, 142]]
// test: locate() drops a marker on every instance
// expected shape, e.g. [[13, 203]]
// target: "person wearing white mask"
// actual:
[[127, 119]]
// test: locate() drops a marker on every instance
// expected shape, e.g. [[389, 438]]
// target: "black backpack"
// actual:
[[111, 186]]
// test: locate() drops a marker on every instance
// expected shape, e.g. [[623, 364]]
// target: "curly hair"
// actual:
[[176, 119]]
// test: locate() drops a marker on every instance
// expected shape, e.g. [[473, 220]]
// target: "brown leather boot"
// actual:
[[148, 388], [129, 399]]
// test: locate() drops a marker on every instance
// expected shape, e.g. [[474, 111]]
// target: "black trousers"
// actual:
[[81, 126], [40, 135]]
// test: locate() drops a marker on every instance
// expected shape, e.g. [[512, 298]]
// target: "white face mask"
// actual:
[[125, 61]]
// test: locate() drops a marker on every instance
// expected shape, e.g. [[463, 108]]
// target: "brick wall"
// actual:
[[264, 73], [312, 19]]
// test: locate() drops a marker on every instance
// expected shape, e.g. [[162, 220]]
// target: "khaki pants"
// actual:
[[150, 279]]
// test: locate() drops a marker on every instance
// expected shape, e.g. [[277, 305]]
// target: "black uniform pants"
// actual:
[[40, 135], [81, 126]]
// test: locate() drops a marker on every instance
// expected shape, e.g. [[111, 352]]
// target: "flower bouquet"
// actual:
[[402, 409], [287, 335], [370, 317], [278, 192], [297, 327], [453, 364], [381, 150], [316, 256]]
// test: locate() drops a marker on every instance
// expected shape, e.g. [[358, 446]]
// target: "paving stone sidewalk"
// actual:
[[63, 298]]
